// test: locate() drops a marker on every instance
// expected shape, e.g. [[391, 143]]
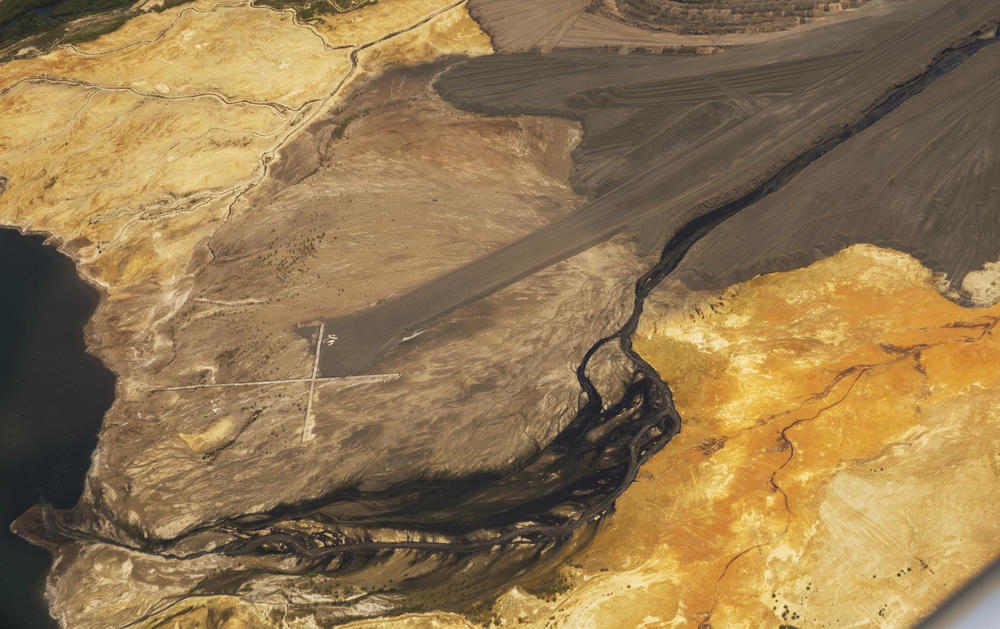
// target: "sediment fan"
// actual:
[[726, 16]]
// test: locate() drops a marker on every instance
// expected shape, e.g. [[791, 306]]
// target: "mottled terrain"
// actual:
[[355, 272]]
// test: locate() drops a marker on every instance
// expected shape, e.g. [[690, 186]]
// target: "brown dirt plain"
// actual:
[[229, 177], [218, 209]]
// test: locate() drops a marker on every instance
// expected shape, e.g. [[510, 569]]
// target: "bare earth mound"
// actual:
[[727, 16], [697, 26]]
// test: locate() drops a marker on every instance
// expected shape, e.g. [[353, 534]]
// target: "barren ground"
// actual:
[[342, 262]]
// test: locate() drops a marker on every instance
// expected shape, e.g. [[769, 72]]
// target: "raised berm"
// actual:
[[688, 26], [721, 16]]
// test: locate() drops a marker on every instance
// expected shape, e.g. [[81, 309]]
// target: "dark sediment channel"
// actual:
[[53, 396]]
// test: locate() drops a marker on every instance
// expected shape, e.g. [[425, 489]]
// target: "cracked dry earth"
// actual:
[[838, 464]]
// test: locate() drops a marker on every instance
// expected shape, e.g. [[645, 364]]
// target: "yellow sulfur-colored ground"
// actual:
[[453, 31], [206, 50], [376, 20], [837, 467]]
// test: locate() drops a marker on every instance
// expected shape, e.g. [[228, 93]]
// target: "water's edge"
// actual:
[[53, 396]]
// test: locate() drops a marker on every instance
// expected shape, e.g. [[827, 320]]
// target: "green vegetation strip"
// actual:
[[22, 18], [43, 24], [311, 9]]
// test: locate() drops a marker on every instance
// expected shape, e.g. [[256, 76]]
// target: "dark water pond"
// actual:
[[52, 399]]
